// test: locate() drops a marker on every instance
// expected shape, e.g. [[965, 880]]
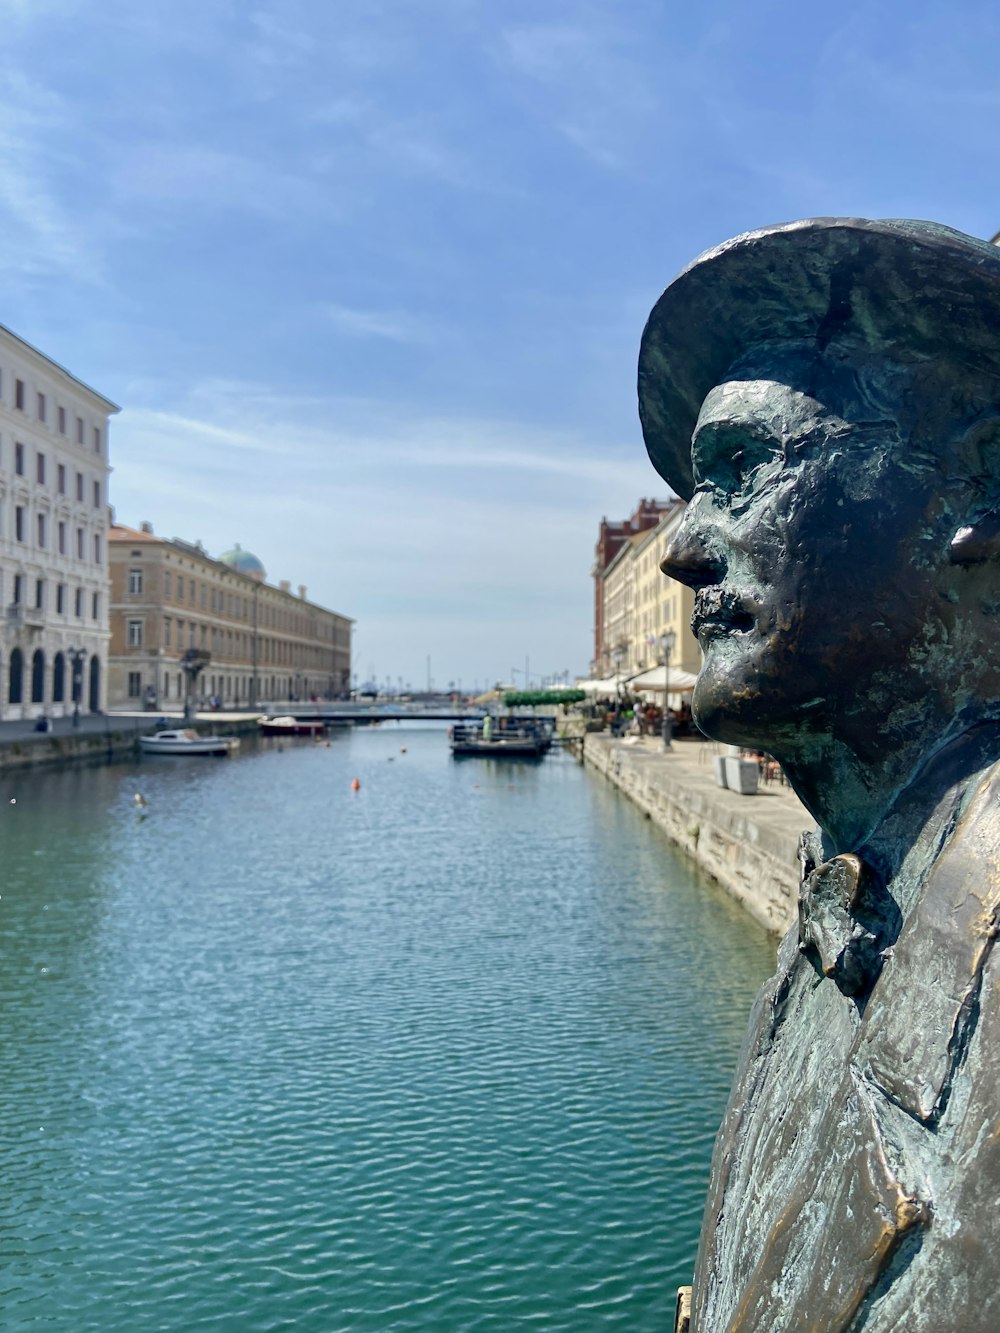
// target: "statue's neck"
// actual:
[[880, 812]]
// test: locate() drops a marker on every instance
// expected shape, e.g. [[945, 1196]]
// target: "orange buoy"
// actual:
[[356, 785]]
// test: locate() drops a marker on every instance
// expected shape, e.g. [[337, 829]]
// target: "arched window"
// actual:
[[95, 684], [15, 689], [59, 679], [38, 677]]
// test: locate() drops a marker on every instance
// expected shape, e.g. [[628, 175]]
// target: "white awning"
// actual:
[[681, 682], [599, 688]]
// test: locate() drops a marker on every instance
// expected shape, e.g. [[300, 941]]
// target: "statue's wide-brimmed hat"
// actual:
[[904, 289]]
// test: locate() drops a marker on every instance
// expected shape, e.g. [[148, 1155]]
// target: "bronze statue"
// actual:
[[826, 394]]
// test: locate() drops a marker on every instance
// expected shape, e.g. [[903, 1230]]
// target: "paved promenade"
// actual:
[[749, 844]]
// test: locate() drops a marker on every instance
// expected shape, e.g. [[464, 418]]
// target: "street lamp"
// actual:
[[667, 641], [194, 661], [76, 657]]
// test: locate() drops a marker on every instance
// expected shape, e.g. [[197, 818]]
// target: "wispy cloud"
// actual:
[[223, 180], [595, 90], [395, 325], [390, 513], [43, 236]]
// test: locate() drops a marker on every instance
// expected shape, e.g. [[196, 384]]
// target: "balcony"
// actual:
[[20, 616]]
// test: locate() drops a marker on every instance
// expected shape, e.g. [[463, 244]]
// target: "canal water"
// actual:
[[441, 1055]]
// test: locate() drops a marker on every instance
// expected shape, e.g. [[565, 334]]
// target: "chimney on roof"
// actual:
[[146, 526], [285, 586], [302, 591]]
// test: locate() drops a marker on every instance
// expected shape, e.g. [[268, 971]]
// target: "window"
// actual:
[[192, 599], [180, 587], [79, 487], [135, 581], [60, 599], [39, 594], [135, 633], [78, 603], [79, 430], [97, 495], [19, 394], [203, 596], [97, 548], [19, 522], [134, 684], [18, 589], [61, 478], [41, 407], [97, 439], [166, 631], [40, 469], [61, 416], [168, 580], [40, 523], [62, 538], [19, 459], [79, 543], [95, 606]]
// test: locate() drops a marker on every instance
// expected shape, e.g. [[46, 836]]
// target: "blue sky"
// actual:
[[369, 278]]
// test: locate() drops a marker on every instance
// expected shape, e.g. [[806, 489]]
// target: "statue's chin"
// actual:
[[727, 711]]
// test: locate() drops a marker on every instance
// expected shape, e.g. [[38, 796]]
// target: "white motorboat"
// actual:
[[187, 741]]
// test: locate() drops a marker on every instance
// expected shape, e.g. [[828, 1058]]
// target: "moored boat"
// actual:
[[291, 726], [506, 738], [186, 740]]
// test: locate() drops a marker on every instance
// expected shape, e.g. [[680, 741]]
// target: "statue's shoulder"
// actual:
[[916, 1024]]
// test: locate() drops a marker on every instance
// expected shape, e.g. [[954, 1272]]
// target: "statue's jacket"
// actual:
[[856, 1177]]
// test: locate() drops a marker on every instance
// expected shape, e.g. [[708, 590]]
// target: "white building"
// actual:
[[54, 587]]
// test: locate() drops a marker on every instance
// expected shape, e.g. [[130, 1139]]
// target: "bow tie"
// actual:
[[846, 920]]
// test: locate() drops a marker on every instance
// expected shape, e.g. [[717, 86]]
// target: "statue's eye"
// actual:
[[729, 456]]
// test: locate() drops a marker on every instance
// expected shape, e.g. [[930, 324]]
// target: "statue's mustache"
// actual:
[[720, 606]]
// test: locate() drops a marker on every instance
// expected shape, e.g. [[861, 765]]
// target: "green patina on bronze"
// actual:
[[826, 395]]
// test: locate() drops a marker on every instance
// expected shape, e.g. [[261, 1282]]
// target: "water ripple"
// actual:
[[445, 1054]]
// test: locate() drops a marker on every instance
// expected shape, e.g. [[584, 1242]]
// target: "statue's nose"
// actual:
[[691, 557]]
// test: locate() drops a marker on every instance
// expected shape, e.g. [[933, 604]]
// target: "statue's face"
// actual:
[[814, 544]]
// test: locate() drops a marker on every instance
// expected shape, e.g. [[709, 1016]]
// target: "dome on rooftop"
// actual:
[[245, 562]]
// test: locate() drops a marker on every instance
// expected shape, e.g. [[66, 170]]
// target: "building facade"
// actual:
[[661, 604], [53, 537], [612, 536], [640, 605], [173, 604]]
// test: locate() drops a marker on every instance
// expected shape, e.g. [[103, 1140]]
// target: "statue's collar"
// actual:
[[911, 951]]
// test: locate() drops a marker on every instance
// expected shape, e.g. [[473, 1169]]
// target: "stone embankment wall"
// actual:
[[748, 844], [119, 741], [43, 750]]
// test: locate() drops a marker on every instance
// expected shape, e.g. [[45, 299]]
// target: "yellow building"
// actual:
[[259, 643], [661, 603]]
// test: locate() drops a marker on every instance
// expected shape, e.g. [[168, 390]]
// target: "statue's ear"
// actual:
[[979, 450]]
